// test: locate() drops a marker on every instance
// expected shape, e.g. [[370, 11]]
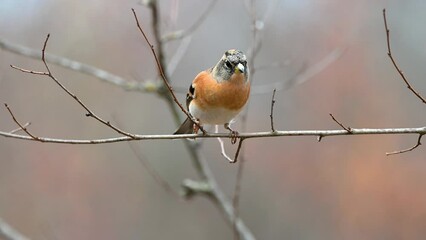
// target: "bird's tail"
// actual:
[[187, 127]]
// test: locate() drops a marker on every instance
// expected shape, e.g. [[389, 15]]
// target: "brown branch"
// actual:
[[408, 149], [272, 110], [401, 73], [348, 129], [163, 76], [21, 127], [89, 113], [237, 153]]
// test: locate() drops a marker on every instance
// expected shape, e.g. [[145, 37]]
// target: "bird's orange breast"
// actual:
[[230, 94]]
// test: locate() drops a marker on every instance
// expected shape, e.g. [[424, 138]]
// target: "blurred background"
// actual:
[[292, 187]]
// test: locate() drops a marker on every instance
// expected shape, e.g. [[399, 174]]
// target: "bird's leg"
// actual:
[[234, 134]]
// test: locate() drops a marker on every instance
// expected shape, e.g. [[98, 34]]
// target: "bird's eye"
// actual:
[[228, 64]]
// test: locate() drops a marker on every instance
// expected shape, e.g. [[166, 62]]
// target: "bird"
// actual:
[[218, 94]]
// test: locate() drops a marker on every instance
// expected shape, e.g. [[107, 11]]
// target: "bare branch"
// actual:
[[237, 191], [401, 73], [192, 188], [89, 113], [240, 144], [223, 202], [408, 149], [176, 35], [303, 75], [314, 133], [272, 110], [8, 233], [348, 129], [163, 76], [177, 57], [21, 127], [146, 86]]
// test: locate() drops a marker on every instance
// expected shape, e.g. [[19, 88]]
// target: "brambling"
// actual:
[[218, 94]]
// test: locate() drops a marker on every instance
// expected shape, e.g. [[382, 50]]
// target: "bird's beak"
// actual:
[[240, 68]]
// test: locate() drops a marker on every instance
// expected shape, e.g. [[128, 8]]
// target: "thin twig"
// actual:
[[401, 73], [408, 149], [348, 129], [22, 127], [176, 35], [29, 71], [237, 153], [304, 74], [160, 70], [89, 113], [272, 110]]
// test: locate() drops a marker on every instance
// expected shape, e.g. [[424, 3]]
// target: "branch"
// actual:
[[223, 202], [240, 144], [200, 164], [272, 110], [237, 193], [401, 73], [348, 129], [21, 127], [89, 113], [176, 35], [8, 233], [160, 70], [306, 133], [408, 149], [301, 76], [146, 86]]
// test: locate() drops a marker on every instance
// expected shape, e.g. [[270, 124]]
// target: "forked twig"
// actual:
[[401, 73], [89, 113]]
